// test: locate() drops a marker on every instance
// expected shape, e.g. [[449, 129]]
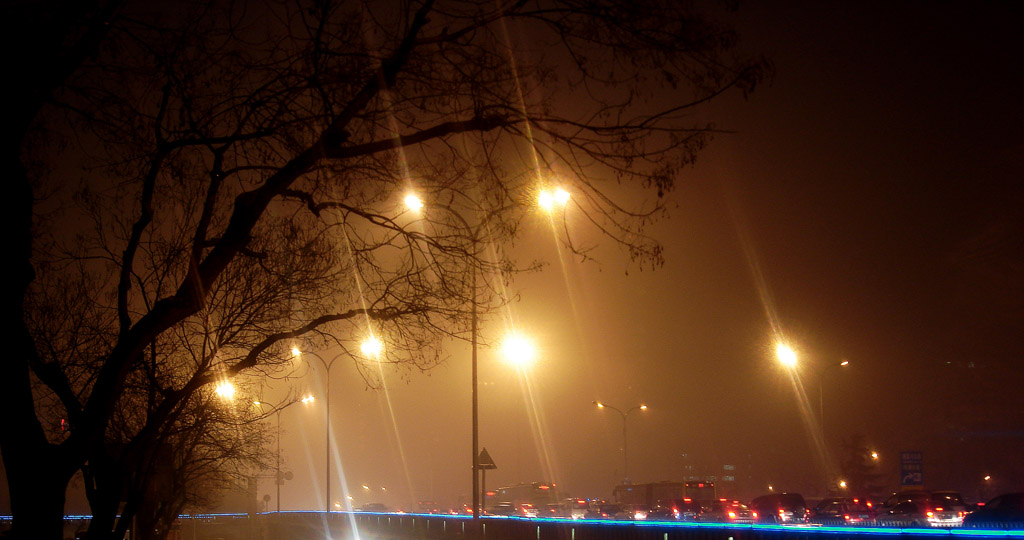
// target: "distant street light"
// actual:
[[370, 347], [625, 440], [277, 469], [821, 392]]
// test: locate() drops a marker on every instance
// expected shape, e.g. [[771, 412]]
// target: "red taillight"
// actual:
[[782, 512], [846, 517], [754, 515], [929, 513], [938, 508], [732, 515]]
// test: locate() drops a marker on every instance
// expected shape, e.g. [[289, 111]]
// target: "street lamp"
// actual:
[[518, 351], [373, 346], [225, 390], [625, 441], [413, 203], [547, 200], [277, 469], [788, 357], [821, 392]]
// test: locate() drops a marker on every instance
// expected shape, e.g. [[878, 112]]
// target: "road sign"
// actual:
[[484, 461], [911, 469]]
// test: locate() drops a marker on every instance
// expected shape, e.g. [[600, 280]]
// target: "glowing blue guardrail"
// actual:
[[803, 530], [959, 532]]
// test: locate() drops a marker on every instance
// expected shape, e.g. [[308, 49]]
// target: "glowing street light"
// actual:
[[625, 440], [372, 347], [412, 202], [225, 390], [786, 355], [874, 456], [518, 351], [549, 199]]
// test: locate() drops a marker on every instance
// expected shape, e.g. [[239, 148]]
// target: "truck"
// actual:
[[647, 495], [650, 494]]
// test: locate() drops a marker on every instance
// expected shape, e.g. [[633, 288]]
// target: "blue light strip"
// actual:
[[957, 532]]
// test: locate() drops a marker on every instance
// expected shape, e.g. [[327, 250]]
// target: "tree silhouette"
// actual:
[[859, 469], [199, 186]]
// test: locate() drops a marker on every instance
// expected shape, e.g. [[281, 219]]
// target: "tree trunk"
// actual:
[[37, 493]]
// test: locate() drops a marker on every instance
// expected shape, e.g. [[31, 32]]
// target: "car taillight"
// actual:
[[754, 515], [929, 513], [938, 508], [732, 515], [846, 517], [782, 512]]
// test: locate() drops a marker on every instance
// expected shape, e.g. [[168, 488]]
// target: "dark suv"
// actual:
[[780, 508]]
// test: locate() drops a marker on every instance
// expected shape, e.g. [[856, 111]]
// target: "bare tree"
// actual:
[[200, 185]]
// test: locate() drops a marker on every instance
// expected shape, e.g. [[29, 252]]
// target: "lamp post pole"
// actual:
[[625, 439], [277, 410], [327, 403], [821, 394], [476, 407], [413, 203], [277, 472]]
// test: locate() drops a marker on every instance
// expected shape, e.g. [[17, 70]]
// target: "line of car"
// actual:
[[905, 509]]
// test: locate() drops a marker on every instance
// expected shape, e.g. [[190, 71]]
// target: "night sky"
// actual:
[[865, 206]]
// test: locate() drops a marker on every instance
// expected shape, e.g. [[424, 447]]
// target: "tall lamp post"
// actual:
[[625, 440], [277, 467], [547, 200], [414, 204], [371, 347], [821, 392], [788, 357]]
